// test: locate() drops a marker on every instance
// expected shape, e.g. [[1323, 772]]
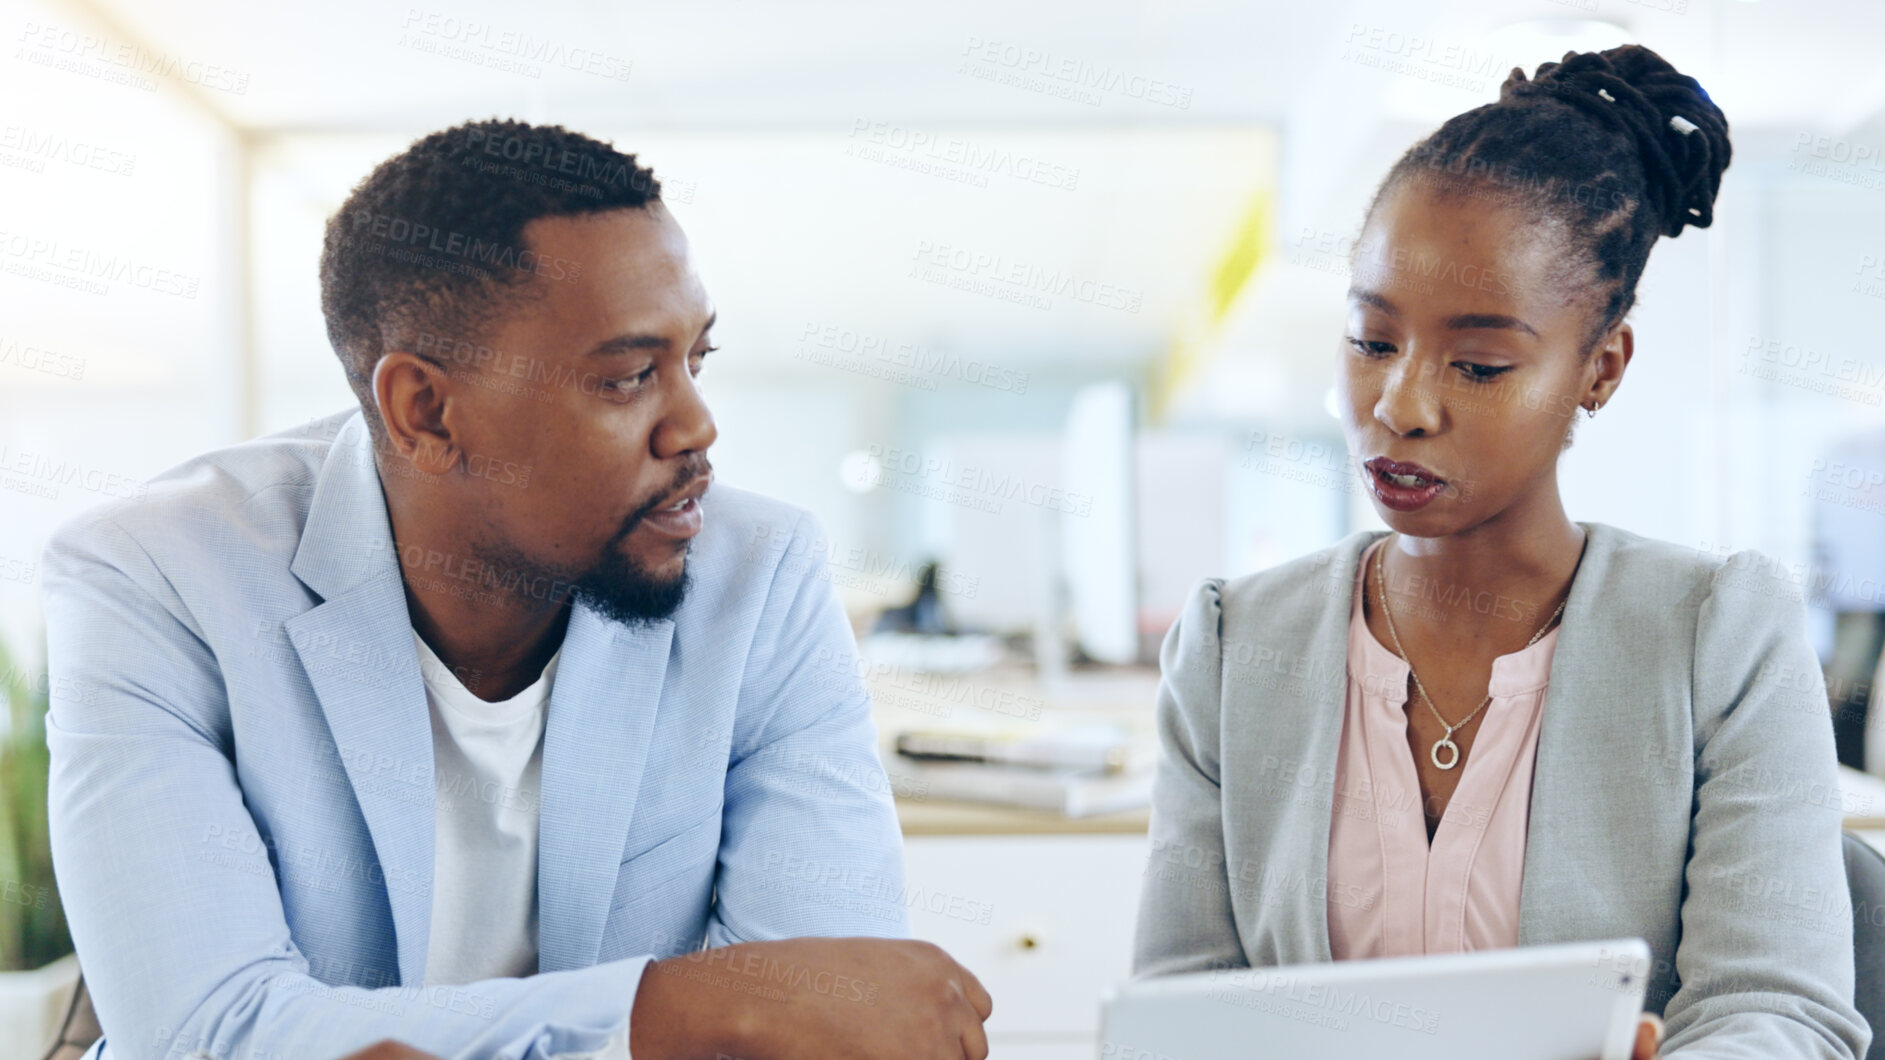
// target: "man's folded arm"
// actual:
[[182, 936], [810, 843]]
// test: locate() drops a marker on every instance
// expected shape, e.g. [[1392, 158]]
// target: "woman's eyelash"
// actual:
[[1478, 373], [1482, 372]]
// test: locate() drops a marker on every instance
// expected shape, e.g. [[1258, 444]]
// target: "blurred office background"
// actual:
[[1048, 294], [929, 229]]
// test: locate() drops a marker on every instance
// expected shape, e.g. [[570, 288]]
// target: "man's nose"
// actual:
[[688, 425]]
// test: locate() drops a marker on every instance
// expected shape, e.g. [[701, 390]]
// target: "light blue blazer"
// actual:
[[242, 791], [1685, 789]]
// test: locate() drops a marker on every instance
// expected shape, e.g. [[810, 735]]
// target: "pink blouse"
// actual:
[[1388, 893]]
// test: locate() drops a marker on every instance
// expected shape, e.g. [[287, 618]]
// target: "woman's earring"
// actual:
[[1590, 411]]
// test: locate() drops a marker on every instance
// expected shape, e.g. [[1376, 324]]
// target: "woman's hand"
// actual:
[[1648, 1037]]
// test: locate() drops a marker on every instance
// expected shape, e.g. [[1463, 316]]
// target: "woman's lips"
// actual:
[[1401, 486]]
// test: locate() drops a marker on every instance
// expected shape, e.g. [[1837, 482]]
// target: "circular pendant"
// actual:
[[1452, 759]]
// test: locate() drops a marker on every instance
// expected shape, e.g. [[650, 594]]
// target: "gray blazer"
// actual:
[[1685, 788]]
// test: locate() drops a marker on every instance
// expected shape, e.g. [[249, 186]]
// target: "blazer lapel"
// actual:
[[1584, 735], [357, 649], [600, 721], [1286, 678], [358, 652], [1322, 712]]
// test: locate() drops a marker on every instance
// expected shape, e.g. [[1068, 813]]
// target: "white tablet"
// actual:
[[1570, 1001]]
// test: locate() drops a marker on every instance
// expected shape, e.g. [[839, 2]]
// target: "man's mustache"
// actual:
[[684, 476]]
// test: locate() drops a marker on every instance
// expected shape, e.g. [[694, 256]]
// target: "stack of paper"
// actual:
[[1076, 769]]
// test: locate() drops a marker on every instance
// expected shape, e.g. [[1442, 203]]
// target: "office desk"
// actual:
[[1039, 906], [933, 817]]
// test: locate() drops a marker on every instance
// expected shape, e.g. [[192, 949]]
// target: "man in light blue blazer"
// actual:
[[262, 653]]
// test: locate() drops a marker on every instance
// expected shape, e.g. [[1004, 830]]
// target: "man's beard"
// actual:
[[618, 587], [622, 590]]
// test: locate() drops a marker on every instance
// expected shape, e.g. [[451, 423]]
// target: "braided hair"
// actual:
[[1617, 147]]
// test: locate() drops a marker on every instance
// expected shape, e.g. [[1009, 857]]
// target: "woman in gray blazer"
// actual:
[[1672, 774]]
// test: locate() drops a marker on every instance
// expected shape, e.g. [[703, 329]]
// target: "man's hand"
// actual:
[[829, 999]]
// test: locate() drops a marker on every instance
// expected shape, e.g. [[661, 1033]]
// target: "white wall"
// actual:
[[119, 337]]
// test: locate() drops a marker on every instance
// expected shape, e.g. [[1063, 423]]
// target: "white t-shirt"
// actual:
[[487, 765]]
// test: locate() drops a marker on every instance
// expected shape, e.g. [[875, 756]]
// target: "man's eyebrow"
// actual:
[[640, 341], [1374, 298], [1470, 321]]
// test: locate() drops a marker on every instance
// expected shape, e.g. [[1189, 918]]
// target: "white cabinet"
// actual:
[[1044, 921]]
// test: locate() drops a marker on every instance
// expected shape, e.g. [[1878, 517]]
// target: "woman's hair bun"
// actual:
[[1679, 132]]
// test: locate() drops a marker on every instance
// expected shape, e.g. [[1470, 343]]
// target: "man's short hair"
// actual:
[[430, 245]]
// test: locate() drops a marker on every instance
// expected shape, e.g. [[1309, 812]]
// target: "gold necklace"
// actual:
[[1381, 586]]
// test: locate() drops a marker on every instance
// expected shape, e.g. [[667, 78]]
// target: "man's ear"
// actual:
[[412, 394]]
